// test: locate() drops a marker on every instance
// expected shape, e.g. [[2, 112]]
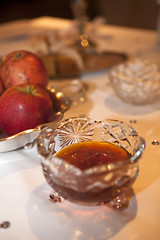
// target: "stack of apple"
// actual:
[[25, 101]]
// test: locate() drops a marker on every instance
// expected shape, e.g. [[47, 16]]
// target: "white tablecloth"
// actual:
[[24, 193]]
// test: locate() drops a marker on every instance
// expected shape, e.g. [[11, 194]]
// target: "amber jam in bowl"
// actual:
[[90, 162]]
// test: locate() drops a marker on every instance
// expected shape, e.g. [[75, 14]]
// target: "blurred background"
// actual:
[[130, 13]]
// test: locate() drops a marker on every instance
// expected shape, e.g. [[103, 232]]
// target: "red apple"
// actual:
[[1, 87], [23, 107], [21, 67]]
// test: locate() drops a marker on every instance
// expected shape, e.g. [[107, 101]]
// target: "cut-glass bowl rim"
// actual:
[[96, 169]]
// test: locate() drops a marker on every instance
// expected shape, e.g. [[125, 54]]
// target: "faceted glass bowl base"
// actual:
[[119, 203]]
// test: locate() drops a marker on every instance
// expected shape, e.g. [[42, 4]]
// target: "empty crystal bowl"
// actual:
[[136, 81], [98, 184]]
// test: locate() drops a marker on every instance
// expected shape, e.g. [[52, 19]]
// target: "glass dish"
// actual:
[[97, 185], [74, 89], [136, 81]]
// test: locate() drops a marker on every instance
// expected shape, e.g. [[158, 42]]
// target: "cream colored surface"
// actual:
[[24, 193]]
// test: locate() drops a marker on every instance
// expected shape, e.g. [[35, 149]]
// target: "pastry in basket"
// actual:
[[59, 59]]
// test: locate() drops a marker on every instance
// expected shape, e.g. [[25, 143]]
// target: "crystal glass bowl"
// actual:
[[99, 184], [136, 81]]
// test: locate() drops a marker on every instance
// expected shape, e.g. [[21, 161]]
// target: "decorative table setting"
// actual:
[[115, 89]]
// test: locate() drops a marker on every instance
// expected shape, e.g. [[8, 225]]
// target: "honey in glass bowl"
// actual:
[[86, 155], [90, 162]]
